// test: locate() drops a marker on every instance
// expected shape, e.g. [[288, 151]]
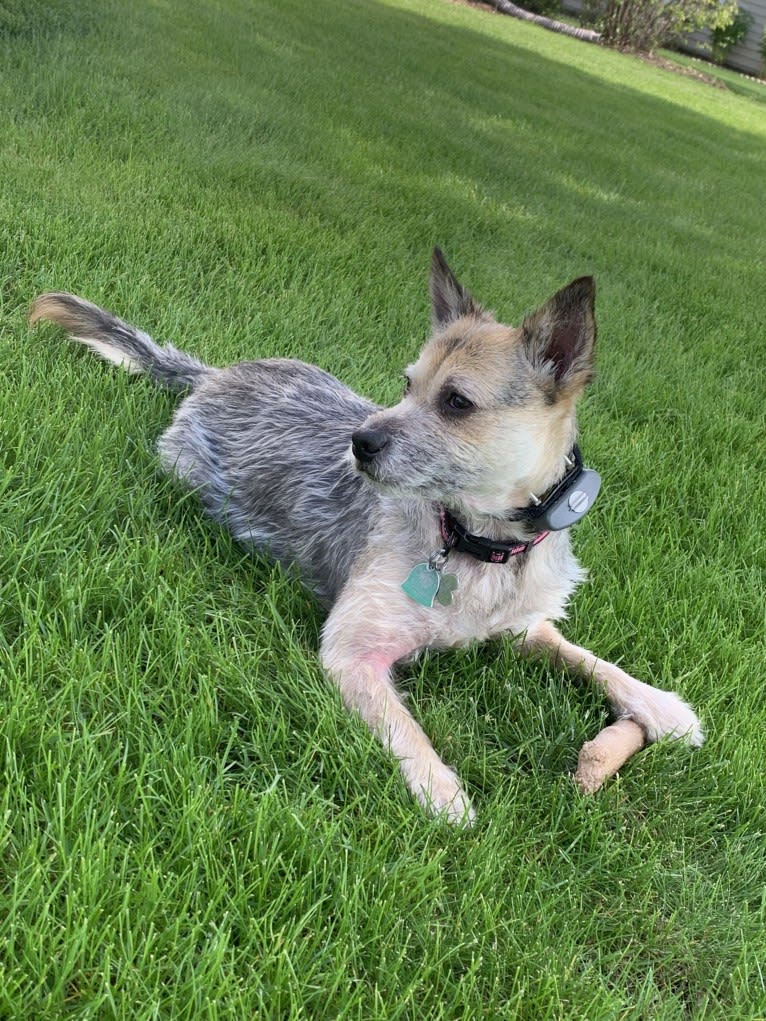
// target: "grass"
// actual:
[[192, 828], [743, 84]]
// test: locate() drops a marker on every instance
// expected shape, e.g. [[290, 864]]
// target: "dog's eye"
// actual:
[[455, 401]]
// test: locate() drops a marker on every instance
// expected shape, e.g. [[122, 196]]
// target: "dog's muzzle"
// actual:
[[366, 444]]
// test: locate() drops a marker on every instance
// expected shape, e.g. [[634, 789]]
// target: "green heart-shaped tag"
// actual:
[[422, 584], [425, 584]]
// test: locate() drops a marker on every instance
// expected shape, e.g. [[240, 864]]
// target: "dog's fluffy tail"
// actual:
[[118, 342]]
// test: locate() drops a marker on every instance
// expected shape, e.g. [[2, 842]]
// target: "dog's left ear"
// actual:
[[449, 299], [559, 338]]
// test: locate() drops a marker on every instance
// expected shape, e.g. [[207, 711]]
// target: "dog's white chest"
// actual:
[[493, 599]]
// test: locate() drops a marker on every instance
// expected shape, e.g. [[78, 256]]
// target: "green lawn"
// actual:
[[191, 826], [745, 85]]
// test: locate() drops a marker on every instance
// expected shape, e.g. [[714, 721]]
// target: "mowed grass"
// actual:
[[191, 825], [736, 81]]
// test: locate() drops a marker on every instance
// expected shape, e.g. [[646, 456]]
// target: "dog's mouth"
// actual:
[[368, 447], [370, 472], [400, 469], [426, 490]]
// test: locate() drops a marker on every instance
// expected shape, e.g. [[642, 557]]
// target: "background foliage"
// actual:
[[725, 37], [645, 25]]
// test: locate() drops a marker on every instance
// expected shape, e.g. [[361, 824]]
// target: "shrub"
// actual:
[[643, 25], [725, 37], [545, 7]]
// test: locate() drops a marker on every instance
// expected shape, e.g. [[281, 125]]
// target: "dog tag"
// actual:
[[422, 584], [425, 584], [447, 586]]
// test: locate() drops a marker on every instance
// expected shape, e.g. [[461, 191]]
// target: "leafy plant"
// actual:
[[725, 37], [546, 7], [643, 25]]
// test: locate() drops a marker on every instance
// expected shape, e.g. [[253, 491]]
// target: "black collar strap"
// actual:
[[490, 551]]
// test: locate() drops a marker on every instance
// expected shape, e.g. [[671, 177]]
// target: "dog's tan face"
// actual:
[[488, 412]]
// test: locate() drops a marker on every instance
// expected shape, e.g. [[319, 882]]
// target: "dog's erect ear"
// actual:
[[559, 337], [449, 299]]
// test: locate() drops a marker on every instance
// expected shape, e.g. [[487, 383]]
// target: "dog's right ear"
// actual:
[[449, 299]]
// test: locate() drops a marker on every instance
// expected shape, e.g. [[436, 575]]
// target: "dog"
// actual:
[[417, 526]]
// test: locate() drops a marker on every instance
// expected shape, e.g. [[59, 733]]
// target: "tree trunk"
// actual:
[[585, 34]]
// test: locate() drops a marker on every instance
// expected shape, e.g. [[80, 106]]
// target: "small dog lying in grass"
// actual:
[[418, 526]]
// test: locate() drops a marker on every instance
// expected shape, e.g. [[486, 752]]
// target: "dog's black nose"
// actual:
[[368, 443]]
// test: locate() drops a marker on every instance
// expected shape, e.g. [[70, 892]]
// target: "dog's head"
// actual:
[[488, 412]]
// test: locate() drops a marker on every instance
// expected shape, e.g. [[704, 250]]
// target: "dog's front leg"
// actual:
[[361, 668], [660, 713]]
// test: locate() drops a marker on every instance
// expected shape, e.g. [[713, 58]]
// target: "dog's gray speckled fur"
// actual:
[[488, 417]]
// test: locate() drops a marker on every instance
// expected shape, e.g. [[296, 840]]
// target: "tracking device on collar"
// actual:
[[569, 500]]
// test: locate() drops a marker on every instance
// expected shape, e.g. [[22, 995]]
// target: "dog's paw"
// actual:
[[664, 714], [444, 797]]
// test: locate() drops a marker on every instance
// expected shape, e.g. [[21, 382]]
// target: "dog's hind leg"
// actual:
[[363, 677], [659, 713]]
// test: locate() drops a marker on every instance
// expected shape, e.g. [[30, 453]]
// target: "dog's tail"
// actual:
[[118, 342]]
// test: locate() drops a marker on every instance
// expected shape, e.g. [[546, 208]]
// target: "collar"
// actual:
[[490, 551], [565, 503]]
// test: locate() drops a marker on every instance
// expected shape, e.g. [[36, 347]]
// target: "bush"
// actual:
[[643, 25], [725, 37], [548, 8]]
